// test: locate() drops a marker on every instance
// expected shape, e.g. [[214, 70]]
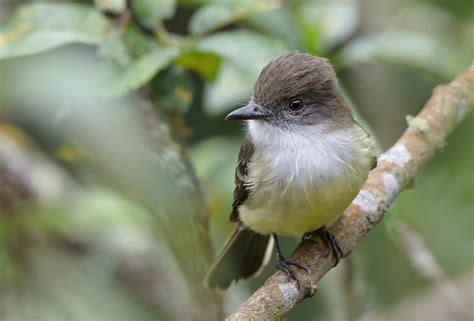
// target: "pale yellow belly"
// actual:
[[303, 180], [296, 211]]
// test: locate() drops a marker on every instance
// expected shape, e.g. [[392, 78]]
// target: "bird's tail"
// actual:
[[244, 254]]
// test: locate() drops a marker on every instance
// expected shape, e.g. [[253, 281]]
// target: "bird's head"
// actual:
[[295, 88]]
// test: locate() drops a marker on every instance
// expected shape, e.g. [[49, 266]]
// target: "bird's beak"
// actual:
[[250, 111]]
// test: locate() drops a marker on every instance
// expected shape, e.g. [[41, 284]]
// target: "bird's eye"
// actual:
[[295, 104]]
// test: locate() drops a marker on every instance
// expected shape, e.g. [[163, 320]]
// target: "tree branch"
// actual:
[[396, 169]]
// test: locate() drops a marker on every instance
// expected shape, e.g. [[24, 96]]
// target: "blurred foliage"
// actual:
[[131, 243], [39, 27]]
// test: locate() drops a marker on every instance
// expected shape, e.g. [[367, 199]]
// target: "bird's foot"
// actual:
[[285, 265], [329, 240]]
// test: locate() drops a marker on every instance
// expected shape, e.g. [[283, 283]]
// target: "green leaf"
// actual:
[[219, 14], [115, 50], [206, 64], [173, 89], [142, 70], [248, 50], [137, 59], [38, 27], [192, 3], [244, 54], [415, 50], [324, 24], [122, 47], [151, 12], [279, 23]]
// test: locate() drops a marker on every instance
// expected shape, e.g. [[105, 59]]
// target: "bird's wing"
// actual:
[[373, 161], [242, 188]]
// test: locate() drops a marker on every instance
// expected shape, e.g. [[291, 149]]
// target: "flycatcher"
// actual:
[[301, 163]]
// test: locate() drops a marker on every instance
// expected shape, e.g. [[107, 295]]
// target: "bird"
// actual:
[[302, 161]]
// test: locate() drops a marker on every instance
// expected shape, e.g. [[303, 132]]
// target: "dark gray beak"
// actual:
[[250, 111]]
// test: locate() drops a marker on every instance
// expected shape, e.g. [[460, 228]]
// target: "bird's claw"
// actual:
[[332, 244], [329, 240], [285, 266]]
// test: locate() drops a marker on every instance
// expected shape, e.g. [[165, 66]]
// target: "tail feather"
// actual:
[[244, 254]]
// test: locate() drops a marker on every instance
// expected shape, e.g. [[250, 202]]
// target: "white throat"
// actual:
[[304, 155]]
